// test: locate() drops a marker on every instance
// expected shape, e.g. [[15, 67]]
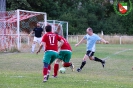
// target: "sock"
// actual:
[[45, 71], [49, 68], [56, 68], [82, 64], [97, 59], [66, 64], [33, 47]]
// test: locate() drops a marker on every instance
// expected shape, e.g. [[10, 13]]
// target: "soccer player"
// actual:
[[91, 38], [38, 36], [50, 43], [65, 56]]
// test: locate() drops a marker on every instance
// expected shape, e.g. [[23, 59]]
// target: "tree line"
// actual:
[[98, 14]]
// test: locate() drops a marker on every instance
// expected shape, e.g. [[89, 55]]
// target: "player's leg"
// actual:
[[46, 60], [45, 71], [66, 59], [39, 40], [34, 44], [83, 63], [91, 57], [56, 67], [100, 60], [49, 69]]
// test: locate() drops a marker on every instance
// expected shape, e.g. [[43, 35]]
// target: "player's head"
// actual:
[[48, 28], [89, 31], [38, 24]]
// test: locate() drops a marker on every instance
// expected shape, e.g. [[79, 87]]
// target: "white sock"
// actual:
[[33, 47], [48, 72]]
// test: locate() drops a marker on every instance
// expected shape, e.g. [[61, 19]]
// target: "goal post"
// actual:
[[19, 20], [17, 24], [18, 30]]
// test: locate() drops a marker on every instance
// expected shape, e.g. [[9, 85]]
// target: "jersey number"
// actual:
[[51, 40]]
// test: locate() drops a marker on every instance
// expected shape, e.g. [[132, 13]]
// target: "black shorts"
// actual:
[[90, 53]]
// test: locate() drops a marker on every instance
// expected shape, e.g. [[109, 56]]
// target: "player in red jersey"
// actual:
[[65, 56], [50, 43]]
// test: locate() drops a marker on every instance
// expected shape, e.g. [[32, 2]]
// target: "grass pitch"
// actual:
[[24, 70]]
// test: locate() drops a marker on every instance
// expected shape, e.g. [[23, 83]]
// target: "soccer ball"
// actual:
[[62, 70]]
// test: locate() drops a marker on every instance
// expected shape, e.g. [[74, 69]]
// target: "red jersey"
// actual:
[[66, 45], [51, 40]]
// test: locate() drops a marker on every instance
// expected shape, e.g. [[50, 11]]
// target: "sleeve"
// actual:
[[98, 38], [85, 37]]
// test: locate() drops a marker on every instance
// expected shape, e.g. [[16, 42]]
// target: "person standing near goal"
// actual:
[[65, 53], [38, 36], [91, 38], [50, 43]]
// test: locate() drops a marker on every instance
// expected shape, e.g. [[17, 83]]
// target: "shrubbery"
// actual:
[[80, 14]]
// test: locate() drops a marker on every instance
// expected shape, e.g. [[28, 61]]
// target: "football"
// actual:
[[62, 70]]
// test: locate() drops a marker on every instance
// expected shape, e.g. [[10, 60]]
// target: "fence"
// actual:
[[113, 39], [26, 41]]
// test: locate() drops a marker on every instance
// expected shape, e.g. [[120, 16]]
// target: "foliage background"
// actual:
[[98, 14]]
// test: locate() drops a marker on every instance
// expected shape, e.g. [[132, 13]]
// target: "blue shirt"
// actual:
[[91, 41]]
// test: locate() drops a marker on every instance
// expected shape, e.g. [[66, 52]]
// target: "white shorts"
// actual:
[[37, 39]]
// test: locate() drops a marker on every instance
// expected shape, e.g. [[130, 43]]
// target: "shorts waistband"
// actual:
[[66, 50], [52, 51], [37, 37]]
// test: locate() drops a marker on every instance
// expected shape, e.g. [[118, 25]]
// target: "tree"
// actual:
[[98, 14], [18, 4]]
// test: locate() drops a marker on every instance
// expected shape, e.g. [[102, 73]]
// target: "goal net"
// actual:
[[16, 25], [60, 26]]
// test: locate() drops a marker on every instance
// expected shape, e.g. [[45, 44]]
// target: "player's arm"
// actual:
[[104, 41], [31, 33], [43, 32], [40, 47], [79, 42], [61, 43]]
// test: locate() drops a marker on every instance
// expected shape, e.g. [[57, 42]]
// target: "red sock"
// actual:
[[45, 71], [56, 67], [66, 64], [49, 67]]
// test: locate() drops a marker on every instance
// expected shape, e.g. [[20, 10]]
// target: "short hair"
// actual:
[[48, 28], [90, 29]]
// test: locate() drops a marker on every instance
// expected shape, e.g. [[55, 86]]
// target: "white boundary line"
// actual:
[[118, 52], [19, 76]]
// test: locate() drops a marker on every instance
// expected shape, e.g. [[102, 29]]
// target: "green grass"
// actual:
[[24, 70]]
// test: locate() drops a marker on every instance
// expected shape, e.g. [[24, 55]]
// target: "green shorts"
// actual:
[[50, 56], [65, 56]]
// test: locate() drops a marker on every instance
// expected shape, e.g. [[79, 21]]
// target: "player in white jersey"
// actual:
[[91, 38]]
